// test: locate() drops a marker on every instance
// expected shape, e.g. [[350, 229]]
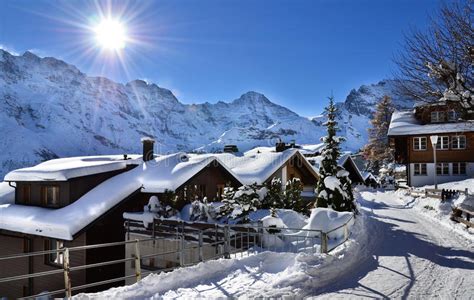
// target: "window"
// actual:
[[458, 142], [25, 194], [459, 168], [420, 169], [442, 169], [419, 143], [453, 116], [50, 195], [443, 143], [438, 116], [55, 258]]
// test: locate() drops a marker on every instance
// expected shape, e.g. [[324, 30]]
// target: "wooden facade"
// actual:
[[416, 151]]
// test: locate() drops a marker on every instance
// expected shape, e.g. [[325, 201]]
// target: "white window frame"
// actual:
[[419, 139], [439, 116], [458, 164], [456, 142], [55, 258], [420, 169], [442, 167], [453, 115], [440, 145]]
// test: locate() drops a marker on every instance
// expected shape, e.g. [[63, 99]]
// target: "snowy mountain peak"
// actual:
[[51, 109]]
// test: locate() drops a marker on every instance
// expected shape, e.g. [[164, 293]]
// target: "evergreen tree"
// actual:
[[377, 152], [334, 186], [274, 197], [292, 194]]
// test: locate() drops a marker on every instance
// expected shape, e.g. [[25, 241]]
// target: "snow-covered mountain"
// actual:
[[49, 109], [357, 109]]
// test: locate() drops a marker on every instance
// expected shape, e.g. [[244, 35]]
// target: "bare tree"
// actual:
[[438, 63]]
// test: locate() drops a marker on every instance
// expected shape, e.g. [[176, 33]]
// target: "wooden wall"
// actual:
[[451, 155]]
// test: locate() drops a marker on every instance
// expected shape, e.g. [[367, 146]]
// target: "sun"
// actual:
[[110, 34]]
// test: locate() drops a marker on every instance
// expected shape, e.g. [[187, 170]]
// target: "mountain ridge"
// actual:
[[52, 109]]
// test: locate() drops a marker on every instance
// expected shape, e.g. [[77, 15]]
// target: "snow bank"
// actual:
[[266, 274], [437, 210], [325, 220]]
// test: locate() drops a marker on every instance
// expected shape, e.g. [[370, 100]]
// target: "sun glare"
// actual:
[[111, 34]]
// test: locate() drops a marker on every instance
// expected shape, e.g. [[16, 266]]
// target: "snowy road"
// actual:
[[412, 256], [395, 252]]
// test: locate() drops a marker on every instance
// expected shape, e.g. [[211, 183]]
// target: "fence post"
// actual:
[[200, 245], [324, 242], [181, 250], [466, 191], [226, 242], [138, 267], [67, 277], [346, 232]]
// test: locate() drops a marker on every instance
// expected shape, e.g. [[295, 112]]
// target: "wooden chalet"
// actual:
[[410, 133], [80, 201]]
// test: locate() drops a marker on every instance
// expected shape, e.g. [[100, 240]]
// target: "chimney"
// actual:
[[280, 146], [231, 149], [148, 143]]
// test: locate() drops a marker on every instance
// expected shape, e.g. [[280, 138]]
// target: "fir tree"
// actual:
[[293, 198], [334, 186], [274, 197], [377, 152]]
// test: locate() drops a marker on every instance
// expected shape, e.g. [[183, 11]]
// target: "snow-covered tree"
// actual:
[[274, 197], [247, 199], [377, 152], [334, 187], [228, 201], [292, 194]]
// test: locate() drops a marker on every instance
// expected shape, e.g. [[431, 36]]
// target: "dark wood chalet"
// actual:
[[71, 190]]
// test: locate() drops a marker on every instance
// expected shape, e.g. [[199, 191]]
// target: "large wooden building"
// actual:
[[80, 201], [410, 135]]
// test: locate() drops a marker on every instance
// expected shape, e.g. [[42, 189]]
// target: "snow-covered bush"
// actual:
[[246, 199], [202, 211], [386, 176], [156, 207]]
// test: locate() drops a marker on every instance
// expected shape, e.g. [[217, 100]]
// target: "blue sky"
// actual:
[[296, 52]]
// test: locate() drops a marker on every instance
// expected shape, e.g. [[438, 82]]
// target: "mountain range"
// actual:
[[49, 109]]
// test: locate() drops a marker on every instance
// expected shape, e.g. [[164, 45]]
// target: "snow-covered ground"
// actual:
[[394, 252]]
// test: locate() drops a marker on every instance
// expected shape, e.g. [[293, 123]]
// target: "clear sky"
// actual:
[[295, 52]]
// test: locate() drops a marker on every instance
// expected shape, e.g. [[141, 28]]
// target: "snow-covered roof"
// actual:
[[62, 169], [311, 149], [157, 175], [254, 167], [171, 171], [405, 123], [345, 156], [63, 223]]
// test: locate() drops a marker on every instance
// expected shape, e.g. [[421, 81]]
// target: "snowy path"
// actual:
[[413, 256], [398, 254]]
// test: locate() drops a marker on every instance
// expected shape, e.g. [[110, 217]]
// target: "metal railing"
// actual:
[[227, 241]]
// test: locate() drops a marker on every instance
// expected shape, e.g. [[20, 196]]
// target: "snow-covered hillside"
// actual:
[[49, 108]]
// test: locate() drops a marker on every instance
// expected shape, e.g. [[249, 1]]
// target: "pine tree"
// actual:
[[292, 194], [334, 186], [377, 152], [274, 197]]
